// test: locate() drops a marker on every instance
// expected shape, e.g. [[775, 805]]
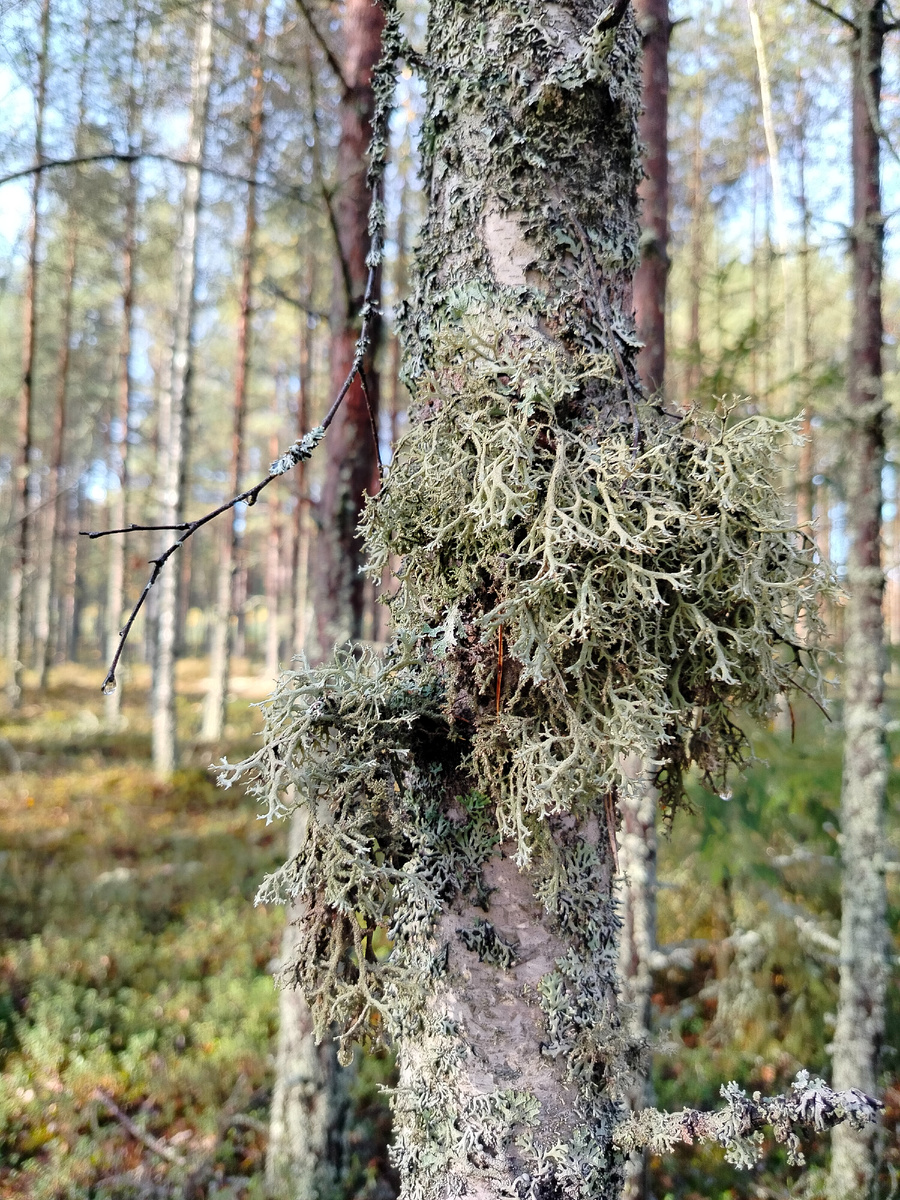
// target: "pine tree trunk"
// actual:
[[23, 466], [175, 405], [305, 1133], [46, 570], [220, 654], [48, 567], [302, 531], [339, 589], [861, 1006]]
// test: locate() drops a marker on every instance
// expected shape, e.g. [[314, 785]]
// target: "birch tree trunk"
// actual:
[[174, 414], [305, 1155], [863, 973], [23, 466], [220, 654]]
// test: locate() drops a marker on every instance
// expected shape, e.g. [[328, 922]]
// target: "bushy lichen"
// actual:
[[643, 577]]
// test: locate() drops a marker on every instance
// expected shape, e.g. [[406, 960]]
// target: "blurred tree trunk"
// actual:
[[695, 272], [274, 546], [806, 464], [863, 976], [637, 838], [220, 654], [310, 1099], [302, 532], [174, 411], [23, 467], [47, 567]]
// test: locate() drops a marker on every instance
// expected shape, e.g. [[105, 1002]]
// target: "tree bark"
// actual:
[[23, 467], [863, 972], [174, 415], [220, 654], [304, 1156]]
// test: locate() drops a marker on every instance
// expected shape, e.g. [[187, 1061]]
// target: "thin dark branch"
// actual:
[[836, 15], [147, 1139], [274, 289], [131, 156], [330, 56], [611, 17], [298, 452]]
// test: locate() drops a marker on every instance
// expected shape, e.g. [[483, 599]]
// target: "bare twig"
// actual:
[[132, 156], [147, 1139], [836, 15], [330, 56], [301, 450]]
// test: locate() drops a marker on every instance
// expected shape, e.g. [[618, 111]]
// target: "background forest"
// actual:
[[138, 1018]]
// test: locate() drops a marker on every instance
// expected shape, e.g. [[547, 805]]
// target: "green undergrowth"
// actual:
[[133, 965], [751, 888]]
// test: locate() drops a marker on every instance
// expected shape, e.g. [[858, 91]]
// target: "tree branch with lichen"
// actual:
[[810, 1106]]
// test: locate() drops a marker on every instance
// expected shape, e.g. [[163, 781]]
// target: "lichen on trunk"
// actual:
[[585, 581]]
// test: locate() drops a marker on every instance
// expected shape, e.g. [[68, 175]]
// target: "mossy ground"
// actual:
[[132, 959]]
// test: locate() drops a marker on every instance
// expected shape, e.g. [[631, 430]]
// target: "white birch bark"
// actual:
[[863, 957]]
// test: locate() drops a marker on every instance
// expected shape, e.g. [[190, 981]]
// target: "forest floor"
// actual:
[[137, 1009], [134, 968]]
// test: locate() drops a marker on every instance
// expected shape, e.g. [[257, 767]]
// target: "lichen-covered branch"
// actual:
[[739, 1127]]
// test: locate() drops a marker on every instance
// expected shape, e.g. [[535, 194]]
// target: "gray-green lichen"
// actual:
[[584, 580]]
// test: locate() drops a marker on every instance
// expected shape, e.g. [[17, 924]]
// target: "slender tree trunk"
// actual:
[[806, 465], [115, 577], [695, 275], [302, 532], [861, 1006], [339, 588], [23, 470], [175, 403], [274, 542], [48, 565], [220, 656], [303, 1158], [637, 838]]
